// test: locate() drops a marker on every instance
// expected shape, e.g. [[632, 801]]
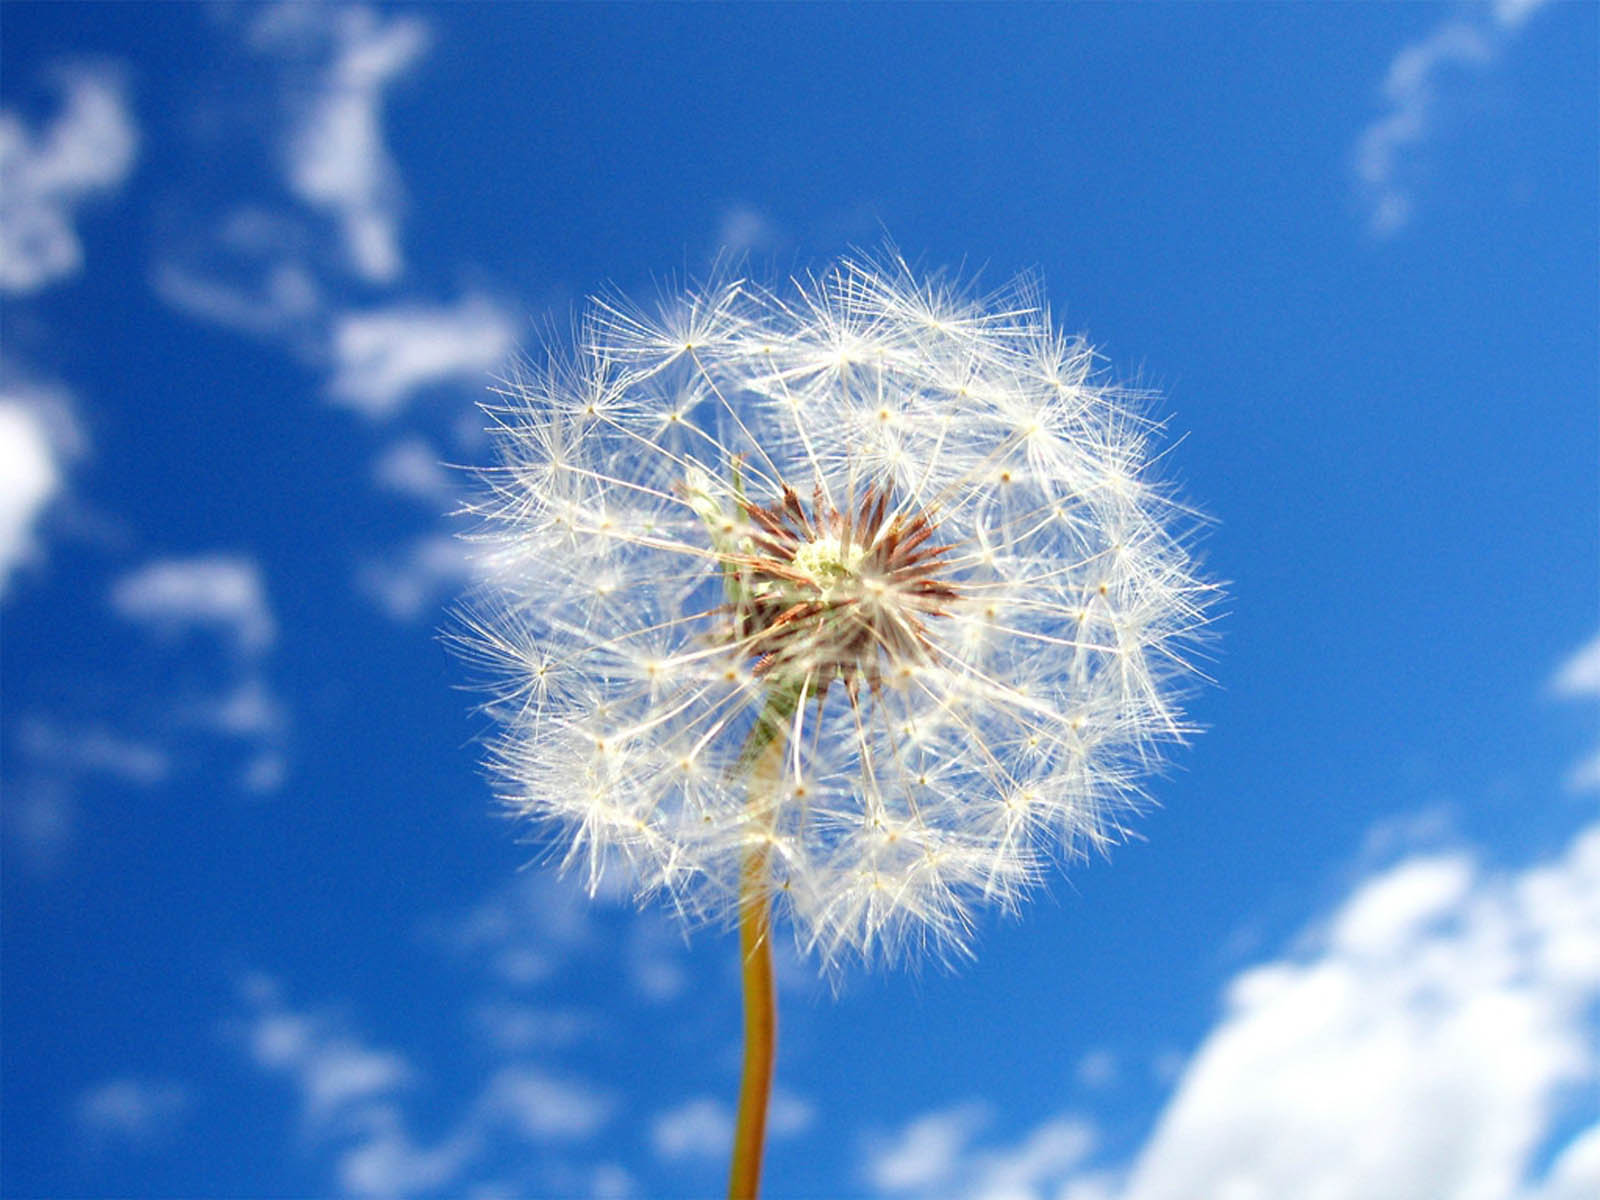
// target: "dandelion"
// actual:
[[852, 602]]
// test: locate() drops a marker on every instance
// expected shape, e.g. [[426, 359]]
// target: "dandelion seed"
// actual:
[[854, 598]]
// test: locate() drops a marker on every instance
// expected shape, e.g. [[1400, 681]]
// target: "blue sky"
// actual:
[[264, 933]]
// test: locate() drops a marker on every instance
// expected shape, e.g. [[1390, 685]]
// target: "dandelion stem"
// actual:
[[760, 1030], [762, 756]]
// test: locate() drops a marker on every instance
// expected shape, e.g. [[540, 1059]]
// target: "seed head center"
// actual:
[[820, 592], [830, 564]]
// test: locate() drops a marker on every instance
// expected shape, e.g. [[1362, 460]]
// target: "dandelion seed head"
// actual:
[[907, 533]]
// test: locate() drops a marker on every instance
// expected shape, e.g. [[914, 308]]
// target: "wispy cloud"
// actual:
[[259, 271], [417, 577], [223, 597], [743, 229], [544, 1107], [1097, 1069], [353, 1098], [1415, 93], [1579, 676], [353, 316], [47, 174], [515, 1028], [935, 1156], [525, 930], [335, 153], [250, 274], [92, 750], [384, 356], [927, 1151], [137, 1113], [220, 593], [1579, 679], [699, 1128], [412, 467], [347, 1089]]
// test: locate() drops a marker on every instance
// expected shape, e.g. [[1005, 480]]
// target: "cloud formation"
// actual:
[[383, 356], [935, 1156], [412, 467], [250, 275], [29, 478], [699, 1128], [1427, 1039], [221, 593], [1414, 92], [47, 174], [354, 315], [134, 1112], [223, 597], [1579, 679], [73, 751], [352, 1098], [334, 154], [40, 436]]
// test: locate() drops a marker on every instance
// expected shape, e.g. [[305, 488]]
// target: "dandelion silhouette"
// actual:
[[853, 601]]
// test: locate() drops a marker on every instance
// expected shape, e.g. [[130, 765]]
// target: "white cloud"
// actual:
[[1025, 1170], [611, 1181], [1579, 676], [351, 1093], [934, 1156], [412, 467], [92, 750], [1579, 679], [221, 593], [1420, 1056], [266, 772], [251, 274], [29, 479], [1585, 775], [927, 1152], [336, 157], [1393, 911], [39, 437], [136, 1112], [1097, 1069], [1575, 1174], [386, 1162], [223, 596], [654, 954], [516, 1028], [248, 709], [336, 1074], [788, 1114], [544, 1108], [1512, 13], [700, 1128], [526, 929], [384, 356], [1386, 153], [419, 578], [47, 174], [1426, 1040], [744, 229]]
